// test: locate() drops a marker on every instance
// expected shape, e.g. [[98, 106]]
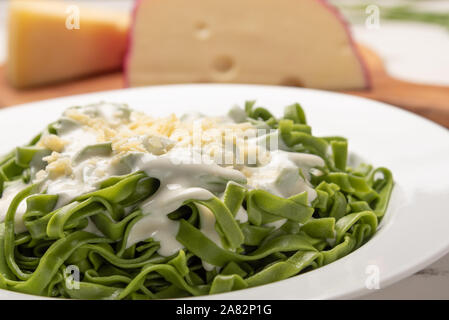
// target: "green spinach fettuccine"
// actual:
[[56, 254]]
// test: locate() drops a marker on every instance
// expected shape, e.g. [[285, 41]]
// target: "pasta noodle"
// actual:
[[254, 235]]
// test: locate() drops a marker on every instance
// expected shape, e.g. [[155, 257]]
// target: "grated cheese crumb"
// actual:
[[59, 167], [52, 142], [139, 132]]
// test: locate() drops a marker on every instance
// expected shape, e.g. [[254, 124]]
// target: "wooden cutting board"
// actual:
[[429, 101]]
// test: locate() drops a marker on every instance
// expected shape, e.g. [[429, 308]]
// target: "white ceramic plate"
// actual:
[[415, 230]]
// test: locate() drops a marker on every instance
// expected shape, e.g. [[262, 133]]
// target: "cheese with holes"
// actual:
[[51, 41], [281, 42]]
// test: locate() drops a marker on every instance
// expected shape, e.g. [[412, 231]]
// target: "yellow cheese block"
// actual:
[[51, 41], [281, 42]]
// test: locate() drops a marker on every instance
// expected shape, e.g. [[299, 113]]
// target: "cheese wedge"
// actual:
[[51, 41], [282, 42]]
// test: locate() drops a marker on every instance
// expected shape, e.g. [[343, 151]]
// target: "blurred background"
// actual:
[[413, 36], [405, 45]]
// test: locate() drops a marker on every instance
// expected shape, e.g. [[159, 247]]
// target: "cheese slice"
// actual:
[[51, 41], [281, 42]]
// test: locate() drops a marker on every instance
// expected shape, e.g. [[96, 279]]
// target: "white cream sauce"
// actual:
[[8, 195], [281, 176], [155, 224], [181, 178], [276, 224]]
